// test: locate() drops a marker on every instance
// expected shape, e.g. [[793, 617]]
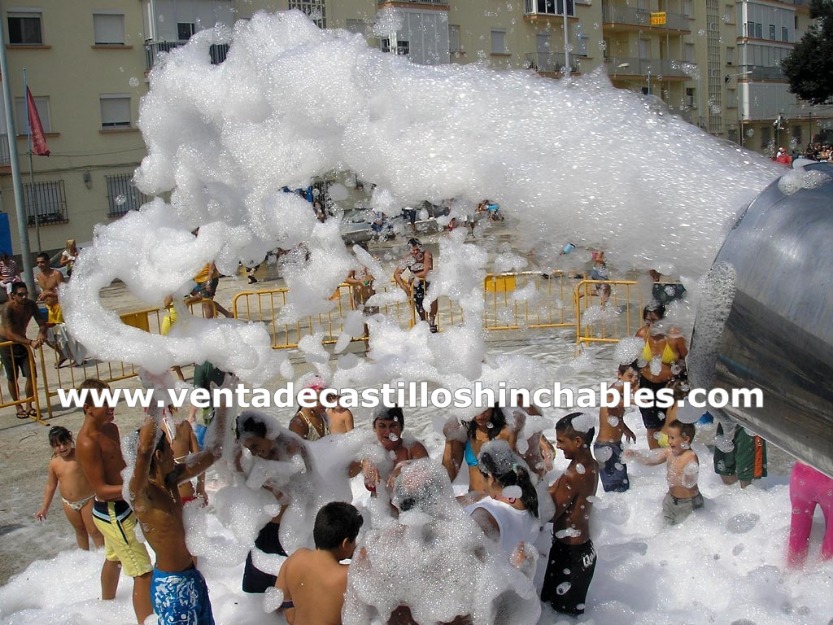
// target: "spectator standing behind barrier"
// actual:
[[15, 317], [8, 271], [69, 256]]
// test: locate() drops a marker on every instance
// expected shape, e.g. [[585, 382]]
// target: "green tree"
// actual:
[[809, 67]]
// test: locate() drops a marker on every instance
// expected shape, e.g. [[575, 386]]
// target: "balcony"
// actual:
[[153, 49], [548, 8], [550, 62], [641, 19], [659, 69], [759, 72], [441, 3]]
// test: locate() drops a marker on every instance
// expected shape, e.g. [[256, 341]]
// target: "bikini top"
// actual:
[[668, 354], [313, 434]]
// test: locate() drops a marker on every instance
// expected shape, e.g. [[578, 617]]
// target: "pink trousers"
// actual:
[[809, 488]]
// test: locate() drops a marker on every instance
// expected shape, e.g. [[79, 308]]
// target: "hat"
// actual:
[[314, 382]]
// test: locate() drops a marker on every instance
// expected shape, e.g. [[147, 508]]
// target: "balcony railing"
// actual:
[[550, 62], [759, 72], [434, 2], [5, 159], [153, 49], [659, 69], [639, 17]]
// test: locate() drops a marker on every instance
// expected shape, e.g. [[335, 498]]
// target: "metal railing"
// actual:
[[153, 49], [10, 347], [552, 62], [615, 14], [659, 69], [600, 311]]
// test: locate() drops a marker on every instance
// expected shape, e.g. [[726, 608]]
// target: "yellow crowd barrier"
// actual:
[[14, 376], [602, 311]]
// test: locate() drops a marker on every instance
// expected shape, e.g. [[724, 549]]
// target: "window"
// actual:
[[454, 45], [796, 137], [581, 44], [314, 9], [25, 29], [759, 30], [772, 32], [115, 111], [108, 29], [785, 34], [730, 56], [122, 196], [750, 29], [766, 137], [571, 7], [689, 53], [402, 47], [45, 203], [185, 30], [687, 8], [22, 114], [499, 42], [690, 100]]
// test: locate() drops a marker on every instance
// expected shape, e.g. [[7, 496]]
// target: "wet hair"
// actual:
[[497, 420], [59, 434], [686, 430], [394, 413], [654, 307], [413, 242], [506, 474], [249, 425], [17, 284], [42, 255], [336, 522], [565, 424], [92, 384], [623, 369]]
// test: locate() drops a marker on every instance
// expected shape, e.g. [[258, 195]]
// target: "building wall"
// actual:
[[703, 64]]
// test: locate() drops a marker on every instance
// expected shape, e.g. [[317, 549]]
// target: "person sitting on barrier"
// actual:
[[8, 272], [420, 262], [463, 441], [14, 319], [662, 359], [58, 337], [600, 272]]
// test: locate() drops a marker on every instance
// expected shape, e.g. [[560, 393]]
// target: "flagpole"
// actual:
[[32, 196], [14, 165]]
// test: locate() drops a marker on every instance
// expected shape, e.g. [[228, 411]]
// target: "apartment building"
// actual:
[[714, 62]]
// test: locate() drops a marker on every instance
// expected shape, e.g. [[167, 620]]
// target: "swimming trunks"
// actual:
[[181, 598], [747, 458], [613, 473], [469, 455], [117, 523], [15, 359], [77, 505], [677, 509], [653, 417], [268, 541], [570, 570]]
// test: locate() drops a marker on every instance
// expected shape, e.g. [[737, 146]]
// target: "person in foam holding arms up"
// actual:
[[178, 589], [572, 558], [312, 584]]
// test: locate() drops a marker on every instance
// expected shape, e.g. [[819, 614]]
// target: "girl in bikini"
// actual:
[[662, 359], [76, 493], [484, 427]]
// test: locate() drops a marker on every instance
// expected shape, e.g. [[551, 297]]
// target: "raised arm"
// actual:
[[144, 452]]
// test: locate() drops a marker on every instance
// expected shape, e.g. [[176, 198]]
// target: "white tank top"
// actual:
[[514, 525]]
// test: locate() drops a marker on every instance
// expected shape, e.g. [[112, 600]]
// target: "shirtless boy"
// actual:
[[572, 559], [98, 450], [612, 427], [388, 424], [178, 589], [49, 279], [14, 320], [683, 495], [313, 583]]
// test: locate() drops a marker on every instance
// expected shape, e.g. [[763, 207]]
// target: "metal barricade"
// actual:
[[527, 300], [620, 317]]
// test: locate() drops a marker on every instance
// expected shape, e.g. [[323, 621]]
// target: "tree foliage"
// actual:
[[809, 67]]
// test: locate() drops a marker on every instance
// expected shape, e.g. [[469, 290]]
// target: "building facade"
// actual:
[[713, 62]]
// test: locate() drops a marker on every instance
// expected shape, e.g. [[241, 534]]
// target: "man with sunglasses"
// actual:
[[15, 318]]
